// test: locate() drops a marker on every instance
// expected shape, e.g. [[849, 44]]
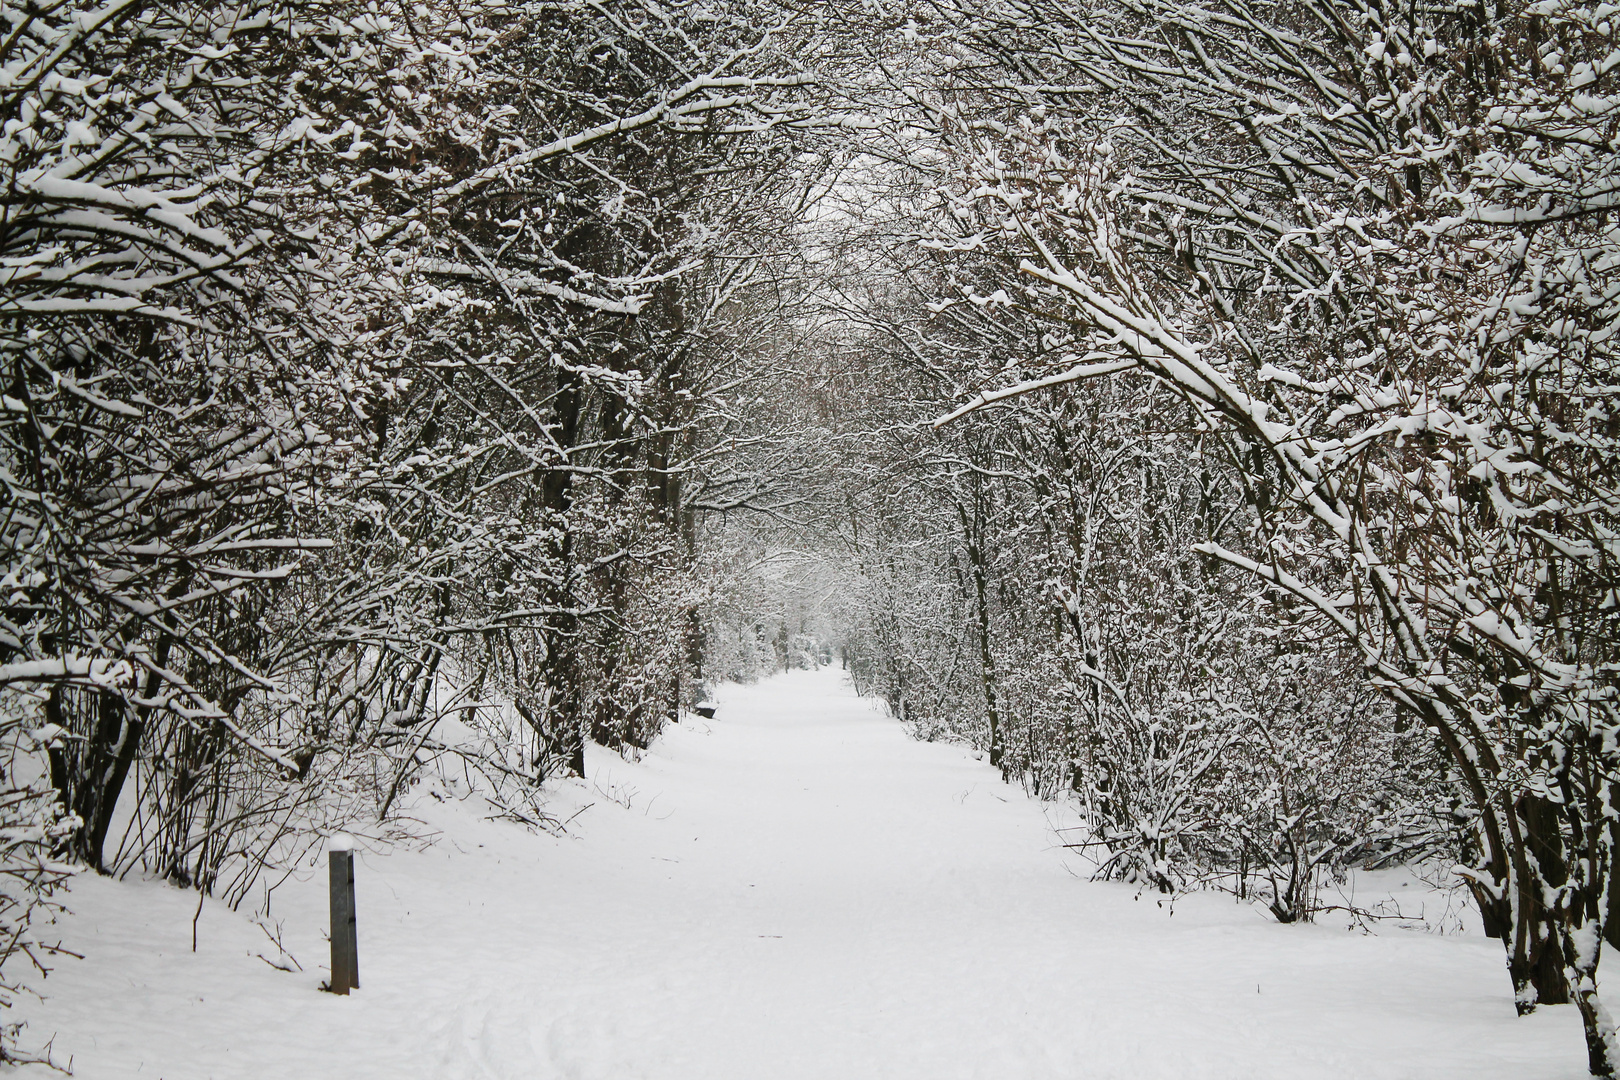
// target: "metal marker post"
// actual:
[[345, 943]]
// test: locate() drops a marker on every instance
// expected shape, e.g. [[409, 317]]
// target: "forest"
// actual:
[[1209, 410]]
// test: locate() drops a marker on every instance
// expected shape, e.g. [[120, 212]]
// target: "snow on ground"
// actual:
[[793, 889]]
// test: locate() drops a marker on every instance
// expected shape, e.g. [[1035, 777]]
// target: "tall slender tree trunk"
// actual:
[[973, 527], [560, 672]]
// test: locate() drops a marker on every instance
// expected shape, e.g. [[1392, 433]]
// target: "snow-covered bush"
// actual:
[[34, 832]]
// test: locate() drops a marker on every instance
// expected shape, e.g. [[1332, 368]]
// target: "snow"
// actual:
[[794, 889], [340, 842]]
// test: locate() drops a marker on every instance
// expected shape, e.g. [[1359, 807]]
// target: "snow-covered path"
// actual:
[[795, 889]]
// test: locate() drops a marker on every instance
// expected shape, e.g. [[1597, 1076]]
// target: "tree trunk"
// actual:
[[89, 771], [1537, 960], [560, 668], [973, 529]]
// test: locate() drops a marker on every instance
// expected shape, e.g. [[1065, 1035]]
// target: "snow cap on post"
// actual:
[[340, 842]]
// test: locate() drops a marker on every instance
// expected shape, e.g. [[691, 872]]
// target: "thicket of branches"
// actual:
[[364, 370]]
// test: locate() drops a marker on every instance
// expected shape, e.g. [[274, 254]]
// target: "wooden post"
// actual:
[[345, 943]]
